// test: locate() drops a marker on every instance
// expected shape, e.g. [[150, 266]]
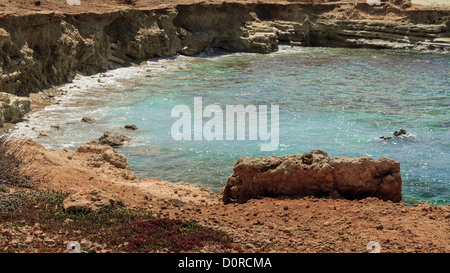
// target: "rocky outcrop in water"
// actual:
[[113, 139], [316, 174], [42, 49], [131, 127], [400, 133]]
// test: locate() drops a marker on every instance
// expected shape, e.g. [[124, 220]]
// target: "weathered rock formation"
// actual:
[[87, 200], [42, 49], [113, 139], [314, 173], [12, 108], [99, 154]]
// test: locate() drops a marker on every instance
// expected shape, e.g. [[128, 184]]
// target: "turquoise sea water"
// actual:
[[337, 100]]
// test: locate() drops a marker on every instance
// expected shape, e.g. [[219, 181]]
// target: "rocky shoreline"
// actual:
[[43, 49], [96, 175]]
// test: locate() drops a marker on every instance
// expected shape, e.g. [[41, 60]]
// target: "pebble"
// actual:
[[14, 243], [48, 240], [29, 240], [38, 232]]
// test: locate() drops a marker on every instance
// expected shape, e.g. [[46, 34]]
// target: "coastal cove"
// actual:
[[338, 100]]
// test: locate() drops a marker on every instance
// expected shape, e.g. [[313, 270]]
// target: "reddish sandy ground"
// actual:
[[260, 225]]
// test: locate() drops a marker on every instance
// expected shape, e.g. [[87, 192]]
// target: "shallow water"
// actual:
[[337, 100]]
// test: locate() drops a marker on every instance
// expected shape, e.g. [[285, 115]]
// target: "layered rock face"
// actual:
[[316, 174], [12, 108], [47, 48]]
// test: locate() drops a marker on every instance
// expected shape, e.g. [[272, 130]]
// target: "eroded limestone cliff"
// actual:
[[46, 48]]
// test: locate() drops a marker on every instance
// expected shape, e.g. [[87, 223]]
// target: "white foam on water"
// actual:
[[87, 96]]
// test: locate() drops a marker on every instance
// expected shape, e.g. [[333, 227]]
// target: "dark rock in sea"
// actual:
[[113, 139], [396, 134], [131, 127], [316, 174], [88, 120], [399, 133]]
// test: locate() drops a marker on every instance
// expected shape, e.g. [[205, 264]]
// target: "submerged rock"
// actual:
[[88, 120], [314, 173], [131, 127]]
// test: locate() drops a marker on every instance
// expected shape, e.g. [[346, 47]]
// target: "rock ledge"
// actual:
[[316, 174]]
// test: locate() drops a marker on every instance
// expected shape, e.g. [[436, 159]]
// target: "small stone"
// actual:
[[257, 222], [48, 240], [38, 232], [14, 243], [327, 224], [29, 240], [88, 120], [379, 227]]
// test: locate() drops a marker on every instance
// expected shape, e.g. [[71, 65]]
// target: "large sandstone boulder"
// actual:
[[100, 154], [12, 107], [314, 173]]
